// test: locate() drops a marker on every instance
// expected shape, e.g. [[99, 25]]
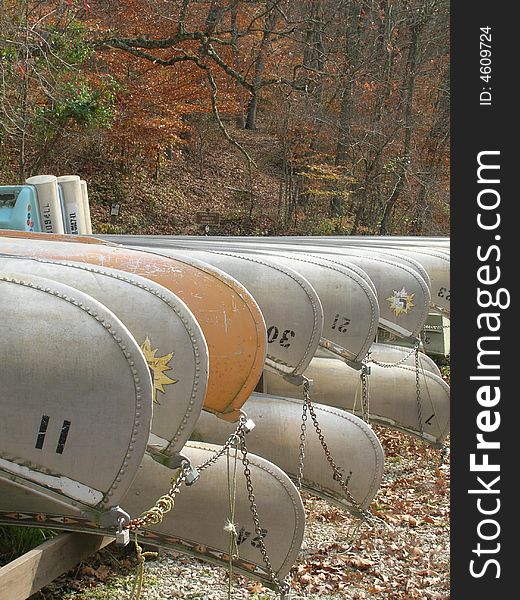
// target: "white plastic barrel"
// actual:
[[48, 201], [86, 206], [73, 201]]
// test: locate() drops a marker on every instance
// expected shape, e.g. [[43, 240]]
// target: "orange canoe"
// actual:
[[230, 318]]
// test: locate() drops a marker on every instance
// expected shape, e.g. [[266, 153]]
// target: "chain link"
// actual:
[[301, 450], [418, 390], [166, 503], [402, 360], [282, 587], [337, 474], [365, 396]]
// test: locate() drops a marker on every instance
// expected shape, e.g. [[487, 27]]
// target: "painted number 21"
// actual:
[[340, 323]]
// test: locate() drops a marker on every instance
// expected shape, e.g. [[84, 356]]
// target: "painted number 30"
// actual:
[[273, 333]]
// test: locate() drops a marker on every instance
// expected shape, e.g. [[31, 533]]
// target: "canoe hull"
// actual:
[[353, 444], [236, 358], [164, 328], [393, 398], [293, 329], [195, 526], [76, 397]]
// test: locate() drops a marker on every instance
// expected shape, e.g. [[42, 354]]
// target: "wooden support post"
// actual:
[[35, 569]]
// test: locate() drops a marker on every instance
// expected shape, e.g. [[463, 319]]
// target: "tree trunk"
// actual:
[[408, 122], [434, 151], [269, 24], [352, 42]]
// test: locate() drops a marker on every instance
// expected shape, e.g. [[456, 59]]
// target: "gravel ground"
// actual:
[[405, 557]]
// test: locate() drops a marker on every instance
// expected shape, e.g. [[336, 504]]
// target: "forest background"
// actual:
[[286, 117]]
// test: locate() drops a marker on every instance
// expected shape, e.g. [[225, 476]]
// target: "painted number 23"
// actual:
[[444, 293]]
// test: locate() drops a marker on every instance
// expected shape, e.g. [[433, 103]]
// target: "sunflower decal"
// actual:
[[401, 302], [157, 365]]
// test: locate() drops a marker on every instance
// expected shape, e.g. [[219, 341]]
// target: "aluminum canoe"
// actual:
[[391, 241], [291, 307], [195, 525], [390, 354], [76, 395], [230, 319], [432, 266], [353, 444], [393, 399], [348, 300], [437, 264], [433, 262], [163, 326], [432, 259], [403, 294]]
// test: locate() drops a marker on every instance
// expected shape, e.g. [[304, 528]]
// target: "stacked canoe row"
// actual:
[[122, 357]]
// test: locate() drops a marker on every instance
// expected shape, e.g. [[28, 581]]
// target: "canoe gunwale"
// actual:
[[199, 345], [137, 367], [232, 413], [358, 280], [316, 310]]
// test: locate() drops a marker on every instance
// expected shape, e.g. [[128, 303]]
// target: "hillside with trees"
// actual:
[[314, 117]]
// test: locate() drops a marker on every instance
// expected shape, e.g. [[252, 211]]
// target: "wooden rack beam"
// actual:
[[35, 569]]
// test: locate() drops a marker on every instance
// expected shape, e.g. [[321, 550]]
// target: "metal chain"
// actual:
[[233, 439], [166, 503], [337, 474], [282, 587], [418, 390], [301, 450], [436, 327], [365, 396], [386, 365]]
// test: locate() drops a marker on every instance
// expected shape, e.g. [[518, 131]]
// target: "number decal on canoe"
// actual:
[[284, 341], [444, 293], [341, 323], [44, 423], [273, 332], [243, 535], [429, 419], [63, 437], [256, 541], [42, 432]]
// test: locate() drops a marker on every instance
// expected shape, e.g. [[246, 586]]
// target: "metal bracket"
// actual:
[[354, 364], [171, 461], [297, 380], [115, 517]]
